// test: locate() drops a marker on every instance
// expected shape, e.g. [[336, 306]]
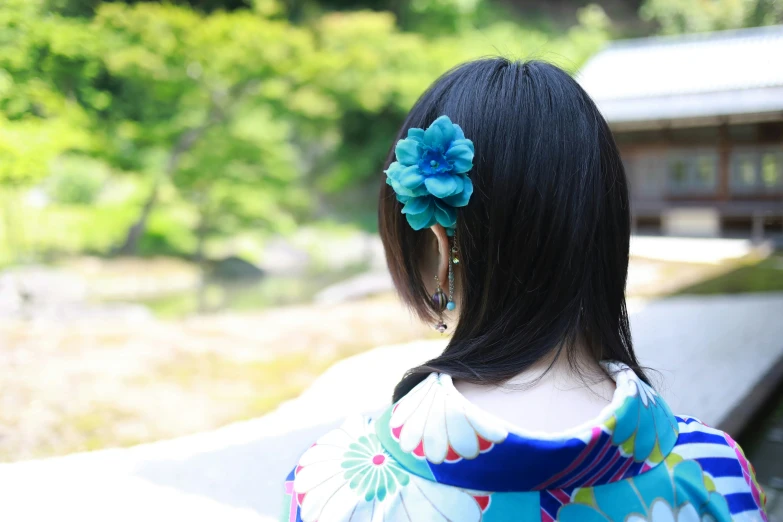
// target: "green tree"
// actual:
[[182, 75], [46, 67], [693, 16], [242, 175], [252, 120]]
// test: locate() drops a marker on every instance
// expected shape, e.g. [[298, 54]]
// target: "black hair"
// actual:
[[544, 240]]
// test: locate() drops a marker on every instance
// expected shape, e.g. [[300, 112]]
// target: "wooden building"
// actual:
[[699, 123]]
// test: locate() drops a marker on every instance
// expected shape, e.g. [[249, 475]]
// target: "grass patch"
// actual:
[[95, 428], [764, 275], [251, 387]]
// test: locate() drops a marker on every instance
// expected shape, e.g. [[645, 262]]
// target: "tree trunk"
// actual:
[[186, 140], [130, 246], [198, 256], [201, 233]]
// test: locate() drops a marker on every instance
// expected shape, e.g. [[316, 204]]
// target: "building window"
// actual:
[[744, 172], [693, 172], [757, 171], [772, 170]]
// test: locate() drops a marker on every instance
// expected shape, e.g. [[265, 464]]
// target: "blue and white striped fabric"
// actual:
[[720, 457]]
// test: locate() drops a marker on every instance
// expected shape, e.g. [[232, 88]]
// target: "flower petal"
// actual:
[[394, 170], [627, 418], [688, 513], [717, 505], [435, 438], [407, 152], [459, 134], [400, 190], [462, 436], [445, 215], [463, 142], [614, 510], [440, 133], [461, 198], [316, 474], [409, 404], [317, 498], [422, 220], [661, 511], [413, 430], [416, 134], [665, 426], [441, 186], [417, 205], [449, 502], [646, 435], [410, 178], [583, 513], [420, 191], [461, 156], [689, 483]]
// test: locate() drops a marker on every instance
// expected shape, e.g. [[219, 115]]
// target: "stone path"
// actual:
[[710, 353]]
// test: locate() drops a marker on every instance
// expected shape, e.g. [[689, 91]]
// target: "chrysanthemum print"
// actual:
[[434, 424], [347, 476]]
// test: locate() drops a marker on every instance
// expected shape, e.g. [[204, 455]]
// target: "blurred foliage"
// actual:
[[193, 120], [76, 180], [692, 16]]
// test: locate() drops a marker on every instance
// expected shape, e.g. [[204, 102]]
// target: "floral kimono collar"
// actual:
[[434, 456], [436, 433]]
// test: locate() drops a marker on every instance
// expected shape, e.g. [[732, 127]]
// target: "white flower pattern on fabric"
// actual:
[[433, 424], [347, 476], [661, 511], [646, 393]]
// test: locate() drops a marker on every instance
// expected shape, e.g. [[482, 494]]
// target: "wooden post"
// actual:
[[758, 227], [724, 165], [724, 162]]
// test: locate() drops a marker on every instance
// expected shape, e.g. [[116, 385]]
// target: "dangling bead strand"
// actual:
[[453, 260], [440, 302]]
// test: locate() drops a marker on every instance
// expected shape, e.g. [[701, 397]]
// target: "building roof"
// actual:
[[693, 76]]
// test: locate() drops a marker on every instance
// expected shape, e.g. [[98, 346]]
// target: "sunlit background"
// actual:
[[188, 189]]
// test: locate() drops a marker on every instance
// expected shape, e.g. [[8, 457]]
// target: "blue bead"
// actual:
[[451, 305]]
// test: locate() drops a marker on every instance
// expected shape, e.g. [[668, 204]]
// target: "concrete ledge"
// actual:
[[689, 249]]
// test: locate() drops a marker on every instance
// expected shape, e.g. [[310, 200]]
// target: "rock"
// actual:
[[234, 267], [280, 257], [33, 288], [38, 284], [38, 292], [363, 285]]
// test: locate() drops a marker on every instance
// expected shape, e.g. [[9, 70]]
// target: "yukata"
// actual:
[[434, 456]]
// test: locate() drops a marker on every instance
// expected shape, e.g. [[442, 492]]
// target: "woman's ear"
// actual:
[[443, 252]]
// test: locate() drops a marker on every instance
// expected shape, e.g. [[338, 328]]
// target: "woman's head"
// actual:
[[543, 241]]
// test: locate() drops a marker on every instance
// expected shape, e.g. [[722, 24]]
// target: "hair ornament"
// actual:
[[430, 176]]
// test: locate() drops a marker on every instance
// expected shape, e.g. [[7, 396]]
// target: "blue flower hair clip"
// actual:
[[430, 175]]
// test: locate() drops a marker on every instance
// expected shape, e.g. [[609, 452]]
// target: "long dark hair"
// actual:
[[544, 240]]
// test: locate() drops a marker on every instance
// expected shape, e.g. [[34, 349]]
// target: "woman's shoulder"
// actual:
[[723, 462], [434, 456], [348, 475]]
